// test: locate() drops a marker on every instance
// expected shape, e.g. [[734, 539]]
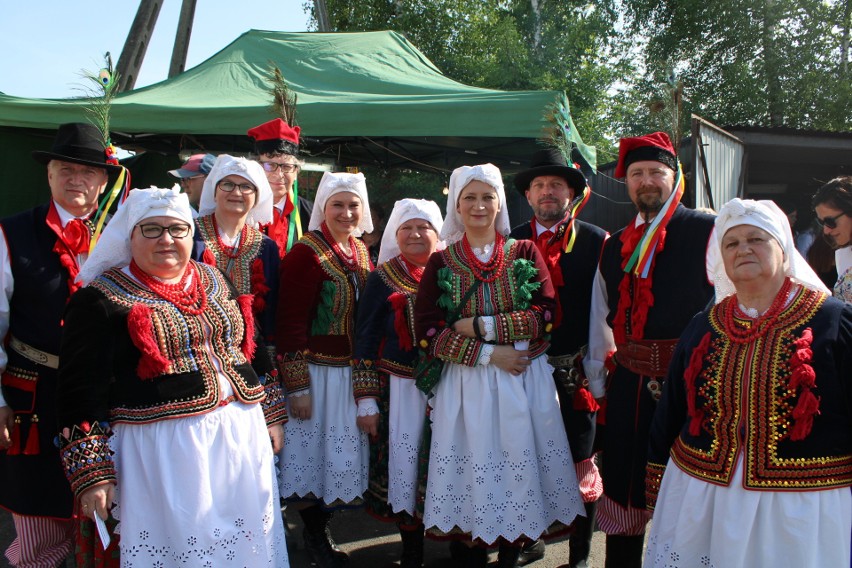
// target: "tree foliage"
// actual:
[[751, 62]]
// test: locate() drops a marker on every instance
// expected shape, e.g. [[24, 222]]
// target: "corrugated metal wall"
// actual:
[[724, 156]]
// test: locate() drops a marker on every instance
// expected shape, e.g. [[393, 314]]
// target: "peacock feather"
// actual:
[[283, 98]]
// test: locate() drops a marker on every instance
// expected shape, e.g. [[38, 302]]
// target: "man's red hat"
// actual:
[[276, 137], [656, 146]]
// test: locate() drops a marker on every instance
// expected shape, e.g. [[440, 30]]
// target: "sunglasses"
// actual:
[[830, 222]]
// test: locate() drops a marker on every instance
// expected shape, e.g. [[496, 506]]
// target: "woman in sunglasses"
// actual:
[[167, 407], [235, 201], [833, 207]]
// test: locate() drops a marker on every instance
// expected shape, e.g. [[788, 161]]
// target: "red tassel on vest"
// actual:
[[398, 303], [248, 346], [33, 447], [140, 324]]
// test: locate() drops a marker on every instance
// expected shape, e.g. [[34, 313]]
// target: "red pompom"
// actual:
[[801, 357], [258, 285], [584, 401], [803, 376], [806, 408], [140, 324], [208, 258], [248, 346]]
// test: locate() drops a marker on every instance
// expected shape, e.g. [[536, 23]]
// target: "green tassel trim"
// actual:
[[445, 283], [325, 310], [524, 272]]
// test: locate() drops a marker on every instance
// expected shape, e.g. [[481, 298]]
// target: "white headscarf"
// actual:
[[113, 247], [405, 210], [488, 173], [768, 216], [332, 183], [261, 213]]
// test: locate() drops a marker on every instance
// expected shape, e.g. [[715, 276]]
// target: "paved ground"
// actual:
[[371, 544]]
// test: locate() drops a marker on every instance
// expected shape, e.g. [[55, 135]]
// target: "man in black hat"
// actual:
[[571, 249], [40, 256]]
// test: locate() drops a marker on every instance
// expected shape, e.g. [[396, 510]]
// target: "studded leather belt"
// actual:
[[35, 355], [649, 358]]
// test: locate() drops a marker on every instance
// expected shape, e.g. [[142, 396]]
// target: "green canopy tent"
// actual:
[[363, 98]]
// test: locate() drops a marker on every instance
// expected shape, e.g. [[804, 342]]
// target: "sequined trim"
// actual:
[[274, 405], [365, 379], [86, 456], [348, 285], [722, 395], [239, 269], [653, 479], [181, 340], [294, 369]]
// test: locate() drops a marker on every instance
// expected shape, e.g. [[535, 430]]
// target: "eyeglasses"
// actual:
[[186, 180], [229, 186], [274, 167], [154, 231], [830, 222]]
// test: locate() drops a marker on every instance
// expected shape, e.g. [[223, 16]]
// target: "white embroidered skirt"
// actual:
[[704, 525], [499, 464], [326, 457], [405, 427], [199, 491]]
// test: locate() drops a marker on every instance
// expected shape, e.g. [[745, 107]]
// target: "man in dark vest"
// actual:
[[40, 256], [571, 249], [653, 277], [276, 144]]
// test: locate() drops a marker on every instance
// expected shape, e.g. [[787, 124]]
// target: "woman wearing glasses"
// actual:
[[324, 464], [160, 390], [833, 207], [235, 201]]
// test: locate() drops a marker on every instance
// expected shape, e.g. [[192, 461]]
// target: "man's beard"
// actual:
[[649, 204], [547, 215]]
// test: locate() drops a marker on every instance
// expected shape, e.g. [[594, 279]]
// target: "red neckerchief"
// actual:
[[634, 294], [277, 230], [72, 240], [551, 250]]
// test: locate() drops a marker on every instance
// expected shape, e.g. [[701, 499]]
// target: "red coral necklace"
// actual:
[[350, 261], [741, 333], [230, 252], [494, 265], [191, 301]]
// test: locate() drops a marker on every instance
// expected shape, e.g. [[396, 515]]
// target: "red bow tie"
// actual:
[[76, 236]]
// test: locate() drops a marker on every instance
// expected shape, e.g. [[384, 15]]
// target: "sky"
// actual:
[[45, 45]]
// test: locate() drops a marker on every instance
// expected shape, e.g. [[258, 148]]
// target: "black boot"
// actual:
[[624, 551], [412, 547], [318, 542], [531, 552], [507, 556], [477, 557], [580, 541]]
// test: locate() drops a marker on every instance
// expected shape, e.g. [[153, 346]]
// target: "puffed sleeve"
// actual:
[[373, 311], [85, 372], [671, 413], [299, 291]]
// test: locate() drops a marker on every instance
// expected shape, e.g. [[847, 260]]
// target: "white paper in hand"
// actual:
[[103, 533]]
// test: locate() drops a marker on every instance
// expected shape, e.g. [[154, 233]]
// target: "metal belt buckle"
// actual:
[[655, 387]]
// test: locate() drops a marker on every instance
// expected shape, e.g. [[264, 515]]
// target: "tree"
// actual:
[[751, 62]]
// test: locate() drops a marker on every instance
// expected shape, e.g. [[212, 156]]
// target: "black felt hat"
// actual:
[[550, 162], [78, 143]]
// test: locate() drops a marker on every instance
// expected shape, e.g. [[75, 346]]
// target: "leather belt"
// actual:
[[35, 355], [567, 370], [649, 358]]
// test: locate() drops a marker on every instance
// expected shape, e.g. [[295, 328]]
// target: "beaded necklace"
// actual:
[[230, 252], [741, 333], [494, 265], [351, 261], [191, 301]]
